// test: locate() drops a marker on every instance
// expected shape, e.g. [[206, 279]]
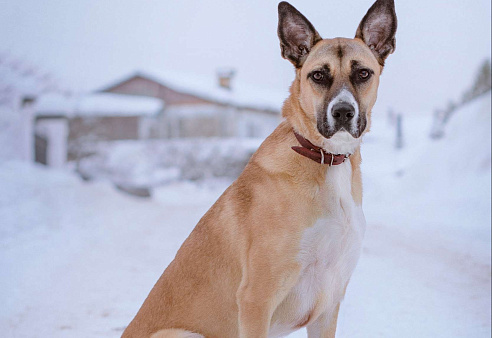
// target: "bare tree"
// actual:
[[482, 82], [481, 85]]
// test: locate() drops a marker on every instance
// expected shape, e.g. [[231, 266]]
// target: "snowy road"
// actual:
[[86, 275]]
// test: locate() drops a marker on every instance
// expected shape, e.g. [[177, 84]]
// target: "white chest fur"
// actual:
[[329, 251]]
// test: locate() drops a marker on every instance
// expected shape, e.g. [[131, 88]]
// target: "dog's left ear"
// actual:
[[378, 28], [297, 35]]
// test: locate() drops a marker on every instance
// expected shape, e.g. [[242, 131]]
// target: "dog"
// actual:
[[276, 251]]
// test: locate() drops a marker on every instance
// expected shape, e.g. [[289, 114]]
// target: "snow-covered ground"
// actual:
[[78, 258], [151, 163]]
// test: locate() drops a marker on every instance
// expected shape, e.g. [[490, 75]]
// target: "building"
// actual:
[[198, 107], [66, 127], [143, 106]]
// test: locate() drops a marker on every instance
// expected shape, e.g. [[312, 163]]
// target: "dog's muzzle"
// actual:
[[342, 113]]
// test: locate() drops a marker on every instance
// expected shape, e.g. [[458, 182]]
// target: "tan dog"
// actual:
[[276, 251]]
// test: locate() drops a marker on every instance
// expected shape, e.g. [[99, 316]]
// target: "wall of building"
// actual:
[[105, 128], [189, 116], [251, 123], [199, 120], [54, 131], [84, 132], [41, 149]]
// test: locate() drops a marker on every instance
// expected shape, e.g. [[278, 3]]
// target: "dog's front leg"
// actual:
[[266, 281], [325, 326]]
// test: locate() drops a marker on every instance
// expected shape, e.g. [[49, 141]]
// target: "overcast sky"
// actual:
[[89, 43]]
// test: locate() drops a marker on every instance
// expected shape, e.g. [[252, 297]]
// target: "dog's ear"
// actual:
[[378, 28], [297, 35]]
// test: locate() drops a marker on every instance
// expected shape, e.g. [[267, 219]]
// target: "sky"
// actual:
[[87, 44]]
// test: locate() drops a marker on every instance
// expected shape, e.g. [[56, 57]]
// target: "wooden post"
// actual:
[[399, 131], [27, 128]]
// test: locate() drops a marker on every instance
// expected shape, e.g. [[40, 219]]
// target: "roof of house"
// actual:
[[241, 95], [96, 104]]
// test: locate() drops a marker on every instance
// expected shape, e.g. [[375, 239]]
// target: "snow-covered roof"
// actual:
[[241, 95], [97, 104]]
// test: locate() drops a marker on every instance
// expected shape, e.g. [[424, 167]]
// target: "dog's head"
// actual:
[[337, 79]]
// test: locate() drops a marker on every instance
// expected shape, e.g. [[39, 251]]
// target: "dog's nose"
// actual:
[[343, 111]]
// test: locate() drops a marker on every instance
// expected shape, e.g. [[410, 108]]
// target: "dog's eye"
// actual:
[[318, 76], [364, 74]]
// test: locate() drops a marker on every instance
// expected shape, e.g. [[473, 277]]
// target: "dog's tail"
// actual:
[[175, 333]]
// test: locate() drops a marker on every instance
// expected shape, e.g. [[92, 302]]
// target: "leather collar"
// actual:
[[317, 154]]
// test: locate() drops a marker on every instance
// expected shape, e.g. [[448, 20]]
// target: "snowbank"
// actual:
[[444, 182], [10, 129], [152, 163]]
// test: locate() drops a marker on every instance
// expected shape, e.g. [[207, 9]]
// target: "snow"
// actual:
[[78, 258], [10, 128], [152, 163], [19, 77], [96, 104]]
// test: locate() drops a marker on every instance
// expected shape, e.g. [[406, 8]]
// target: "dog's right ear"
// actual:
[[297, 35]]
